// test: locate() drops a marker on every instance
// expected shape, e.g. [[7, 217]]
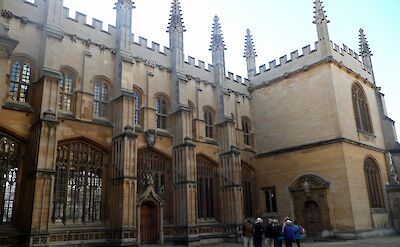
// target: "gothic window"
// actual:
[[191, 118], [270, 200], [136, 106], [361, 112], [206, 183], [161, 112], [8, 176], [21, 72], [78, 184], [246, 130], [101, 91], [247, 184], [66, 89], [374, 184], [155, 169], [209, 121]]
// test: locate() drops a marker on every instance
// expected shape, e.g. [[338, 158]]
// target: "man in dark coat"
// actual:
[[258, 232]]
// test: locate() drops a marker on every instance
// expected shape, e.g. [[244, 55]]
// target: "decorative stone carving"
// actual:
[[150, 137], [6, 14]]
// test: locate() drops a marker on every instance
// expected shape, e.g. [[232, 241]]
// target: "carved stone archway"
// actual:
[[310, 204]]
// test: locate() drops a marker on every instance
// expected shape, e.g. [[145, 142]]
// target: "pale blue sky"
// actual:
[[278, 27]]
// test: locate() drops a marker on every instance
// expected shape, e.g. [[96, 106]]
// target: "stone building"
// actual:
[[109, 141]]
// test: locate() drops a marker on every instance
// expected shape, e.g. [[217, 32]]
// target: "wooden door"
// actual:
[[313, 219], [149, 228]]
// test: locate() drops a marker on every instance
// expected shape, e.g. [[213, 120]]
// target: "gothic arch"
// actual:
[[314, 182], [362, 114], [87, 140]]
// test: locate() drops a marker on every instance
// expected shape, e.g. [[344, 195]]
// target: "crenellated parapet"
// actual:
[[309, 56]]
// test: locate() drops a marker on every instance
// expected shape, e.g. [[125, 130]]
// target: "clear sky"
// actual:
[[278, 27]]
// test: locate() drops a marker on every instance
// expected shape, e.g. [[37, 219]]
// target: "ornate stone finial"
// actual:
[[364, 47], [175, 18], [217, 40], [320, 16], [128, 3], [249, 51]]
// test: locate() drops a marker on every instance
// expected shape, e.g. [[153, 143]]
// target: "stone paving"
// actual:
[[393, 241]]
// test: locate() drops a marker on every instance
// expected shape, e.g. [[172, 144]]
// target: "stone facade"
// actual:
[[108, 141]]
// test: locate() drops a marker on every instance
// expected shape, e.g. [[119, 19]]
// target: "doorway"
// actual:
[[312, 218], [149, 229]]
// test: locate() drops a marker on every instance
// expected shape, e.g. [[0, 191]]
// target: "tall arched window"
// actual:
[[247, 184], [66, 88], [206, 184], [246, 125], [9, 150], [161, 112], [136, 106], [374, 184], [191, 118], [209, 121], [21, 72], [100, 98], [361, 112], [78, 184]]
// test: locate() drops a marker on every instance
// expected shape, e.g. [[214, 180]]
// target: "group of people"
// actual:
[[273, 232]]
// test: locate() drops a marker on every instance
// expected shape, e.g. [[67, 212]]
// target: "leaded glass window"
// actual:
[[209, 121], [136, 107], [78, 185], [206, 183], [246, 130], [161, 112], [374, 184], [361, 111], [100, 99], [9, 149], [66, 89], [20, 79]]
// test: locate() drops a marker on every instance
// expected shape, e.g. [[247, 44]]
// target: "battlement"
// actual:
[[309, 56], [351, 60]]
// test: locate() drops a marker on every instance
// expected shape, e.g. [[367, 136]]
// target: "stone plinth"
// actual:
[[393, 192]]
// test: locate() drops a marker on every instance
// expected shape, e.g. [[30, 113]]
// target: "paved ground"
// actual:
[[372, 242]]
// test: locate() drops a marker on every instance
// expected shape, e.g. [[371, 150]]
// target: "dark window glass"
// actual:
[[78, 184], [20, 80], [374, 184], [361, 111]]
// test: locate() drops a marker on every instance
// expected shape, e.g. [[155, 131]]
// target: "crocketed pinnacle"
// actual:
[[364, 47], [319, 12], [217, 40], [249, 51], [175, 18], [128, 3]]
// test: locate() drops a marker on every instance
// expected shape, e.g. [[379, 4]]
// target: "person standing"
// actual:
[[288, 233], [269, 234], [277, 232], [248, 230], [258, 232], [297, 233]]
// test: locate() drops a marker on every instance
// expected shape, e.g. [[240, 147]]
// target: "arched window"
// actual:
[[209, 121], [78, 184], [66, 88], [374, 184], [247, 184], [100, 98], [361, 112], [21, 71], [136, 106], [161, 112], [9, 150], [206, 184], [191, 118], [246, 130]]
